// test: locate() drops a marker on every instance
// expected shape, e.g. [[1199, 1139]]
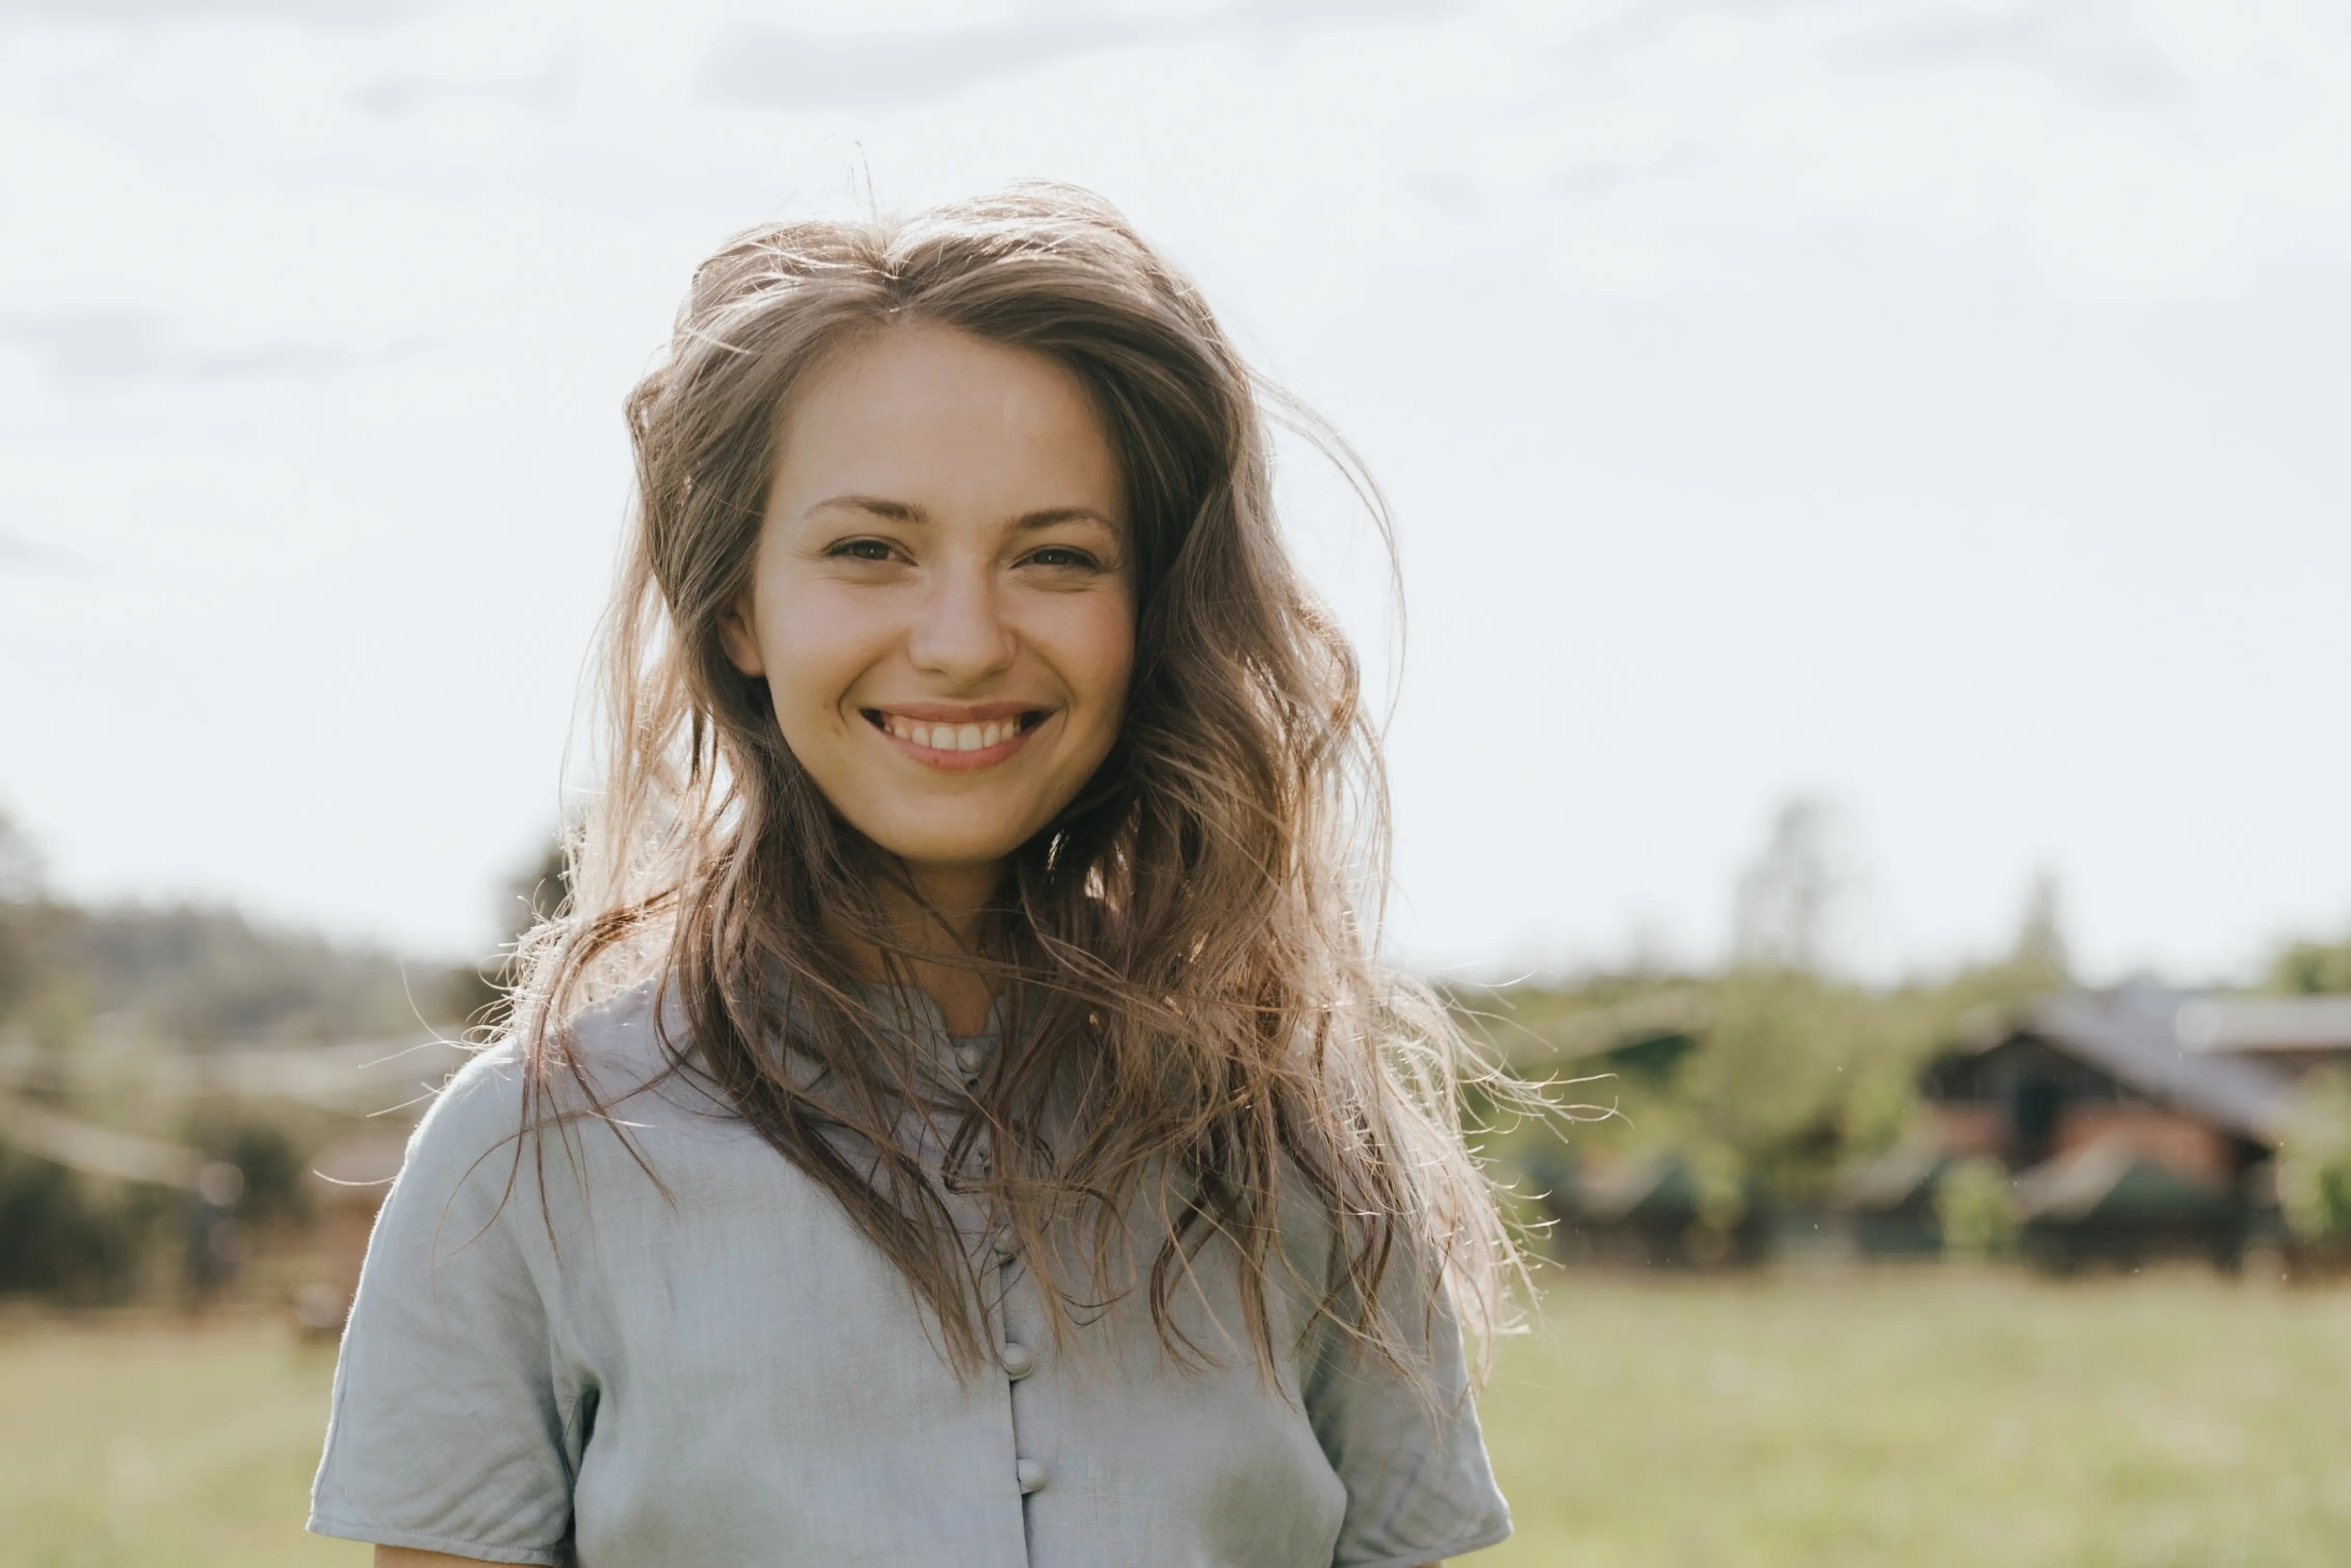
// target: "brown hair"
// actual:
[[1188, 949]]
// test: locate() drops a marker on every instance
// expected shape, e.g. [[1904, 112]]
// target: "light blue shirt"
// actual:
[[734, 1376]]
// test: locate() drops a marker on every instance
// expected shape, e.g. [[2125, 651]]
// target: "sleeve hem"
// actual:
[[1421, 1558], [420, 1541]]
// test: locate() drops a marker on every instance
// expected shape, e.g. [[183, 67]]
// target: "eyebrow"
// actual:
[[908, 512]]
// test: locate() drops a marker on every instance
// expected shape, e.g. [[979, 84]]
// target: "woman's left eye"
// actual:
[[1063, 554]]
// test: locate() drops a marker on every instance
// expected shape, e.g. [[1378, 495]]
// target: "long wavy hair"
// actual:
[[1188, 951]]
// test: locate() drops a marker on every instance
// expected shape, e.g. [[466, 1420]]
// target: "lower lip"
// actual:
[[961, 761]]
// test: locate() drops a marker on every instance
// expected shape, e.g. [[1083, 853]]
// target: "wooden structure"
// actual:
[[2138, 1123]]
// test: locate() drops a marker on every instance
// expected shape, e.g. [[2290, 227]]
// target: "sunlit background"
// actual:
[[1872, 494], [1935, 410]]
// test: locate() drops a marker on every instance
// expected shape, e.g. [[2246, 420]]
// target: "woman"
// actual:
[[960, 1117]]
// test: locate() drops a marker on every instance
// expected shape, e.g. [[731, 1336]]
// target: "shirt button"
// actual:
[[1020, 1361], [971, 1059], [1032, 1476], [1006, 1249]]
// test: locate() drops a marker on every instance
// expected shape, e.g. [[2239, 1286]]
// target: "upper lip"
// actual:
[[956, 713]]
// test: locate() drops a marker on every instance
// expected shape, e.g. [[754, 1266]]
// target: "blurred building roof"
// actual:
[[2227, 1023], [2134, 1034]]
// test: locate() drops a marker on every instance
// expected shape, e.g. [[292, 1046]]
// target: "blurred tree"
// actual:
[[185, 976], [200, 976], [2311, 969], [270, 1167], [2314, 1169], [20, 866], [77, 1239], [1786, 895], [1766, 1081], [20, 887], [476, 992], [2041, 946], [1762, 1082], [1975, 1202]]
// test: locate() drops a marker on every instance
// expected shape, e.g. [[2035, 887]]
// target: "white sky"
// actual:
[[1937, 407]]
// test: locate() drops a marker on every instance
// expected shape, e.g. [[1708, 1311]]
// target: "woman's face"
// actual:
[[942, 603]]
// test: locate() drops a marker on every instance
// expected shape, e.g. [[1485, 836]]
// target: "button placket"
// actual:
[[1016, 1359]]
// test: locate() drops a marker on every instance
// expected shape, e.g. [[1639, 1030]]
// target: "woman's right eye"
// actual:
[[861, 549]]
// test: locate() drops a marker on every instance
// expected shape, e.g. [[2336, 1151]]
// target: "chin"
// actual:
[[949, 852]]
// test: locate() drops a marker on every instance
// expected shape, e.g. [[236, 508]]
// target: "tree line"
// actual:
[[1766, 1075]]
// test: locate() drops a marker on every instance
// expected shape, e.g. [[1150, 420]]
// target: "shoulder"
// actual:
[[480, 1105], [627, 1042], [618, 1053], [633, 1050]]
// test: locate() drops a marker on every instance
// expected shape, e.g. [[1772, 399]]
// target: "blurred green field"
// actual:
[[155, 1444], [1928, 1417], [1918, 1417]]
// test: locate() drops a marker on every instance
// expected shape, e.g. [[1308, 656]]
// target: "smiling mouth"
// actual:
[[965, 742]]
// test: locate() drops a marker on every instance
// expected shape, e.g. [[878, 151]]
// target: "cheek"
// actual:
[[1097, 651], [816, 645]]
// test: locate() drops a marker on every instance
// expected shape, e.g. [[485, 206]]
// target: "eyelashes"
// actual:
[[1053, 558]]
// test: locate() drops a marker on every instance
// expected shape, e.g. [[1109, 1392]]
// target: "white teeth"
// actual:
[[952, 736]]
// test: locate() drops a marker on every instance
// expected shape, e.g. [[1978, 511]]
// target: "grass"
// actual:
[[1919, 1418], [155, 1443], [1928, 1418]]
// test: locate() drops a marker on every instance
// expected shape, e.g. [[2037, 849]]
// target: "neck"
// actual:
[[945, 905], [942, 913]]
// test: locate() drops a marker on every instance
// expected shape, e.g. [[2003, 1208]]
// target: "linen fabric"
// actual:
[[551, 1362]]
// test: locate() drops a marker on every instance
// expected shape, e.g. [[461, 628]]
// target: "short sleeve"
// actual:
[[452, 1428], [1413, 1460]]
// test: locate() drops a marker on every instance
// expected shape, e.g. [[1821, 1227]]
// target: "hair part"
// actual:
[[1190, 949]]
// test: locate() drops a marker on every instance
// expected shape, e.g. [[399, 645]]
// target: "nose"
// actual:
[[959, 631]]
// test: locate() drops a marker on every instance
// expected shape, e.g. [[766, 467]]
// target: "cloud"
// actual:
[[341, 14], [1453, 194], [21, 555], [1597, 177], [398, 93], [90, 348], [1647, 22], [2070, 45], [765, 66], [78, 347], [2084, 48]]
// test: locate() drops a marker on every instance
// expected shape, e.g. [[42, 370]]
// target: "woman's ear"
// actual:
[[737, 634]]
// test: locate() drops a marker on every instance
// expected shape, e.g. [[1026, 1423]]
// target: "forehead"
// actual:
[[949, 422]]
